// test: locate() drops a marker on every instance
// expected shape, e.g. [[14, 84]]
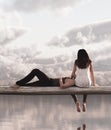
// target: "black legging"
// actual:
[[44, 80]]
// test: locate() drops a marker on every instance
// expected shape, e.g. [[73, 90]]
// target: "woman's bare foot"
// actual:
[[78, 107], [15, 86], [84, 107]]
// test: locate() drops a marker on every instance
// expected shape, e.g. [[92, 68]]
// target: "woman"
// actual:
[[44, 80], [83, 75]]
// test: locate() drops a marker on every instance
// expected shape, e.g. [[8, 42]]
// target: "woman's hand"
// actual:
[[73, 76], [60, 82]]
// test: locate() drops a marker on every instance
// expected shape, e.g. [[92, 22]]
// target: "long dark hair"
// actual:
[[83, 59]]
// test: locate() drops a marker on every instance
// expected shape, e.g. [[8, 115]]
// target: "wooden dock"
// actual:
[[53, 90]]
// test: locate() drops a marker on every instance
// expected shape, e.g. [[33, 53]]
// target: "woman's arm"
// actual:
[[73, 75], [92, 74]]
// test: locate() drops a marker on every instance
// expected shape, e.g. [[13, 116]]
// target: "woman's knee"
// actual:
[[35, 70]]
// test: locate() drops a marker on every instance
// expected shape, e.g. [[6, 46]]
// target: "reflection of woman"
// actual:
[[44, 80], [83, 75]]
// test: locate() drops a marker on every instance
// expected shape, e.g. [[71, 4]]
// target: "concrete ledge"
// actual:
[[54, 90]]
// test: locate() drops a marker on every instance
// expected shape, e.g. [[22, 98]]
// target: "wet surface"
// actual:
[[54, 112]]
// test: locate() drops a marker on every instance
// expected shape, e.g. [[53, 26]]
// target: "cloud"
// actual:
[[103, 78], [10, 26], [10, 17], [92, 33], [58, 41], [33, 5], [9, 34]]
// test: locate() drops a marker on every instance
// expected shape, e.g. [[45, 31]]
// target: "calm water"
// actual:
[[18, 112]]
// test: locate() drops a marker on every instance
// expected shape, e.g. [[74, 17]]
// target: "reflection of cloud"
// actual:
[[44, 112]]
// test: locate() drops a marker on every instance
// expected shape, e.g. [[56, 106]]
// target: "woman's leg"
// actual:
[[34, 84], [74, 98], [84, 98], [84, 126], [84, 102], [76, 102], [35, 72]]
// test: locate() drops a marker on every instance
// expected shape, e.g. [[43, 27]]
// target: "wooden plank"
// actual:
[[54, 90]]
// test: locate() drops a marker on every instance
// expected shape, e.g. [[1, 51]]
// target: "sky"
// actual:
[[47, 35]]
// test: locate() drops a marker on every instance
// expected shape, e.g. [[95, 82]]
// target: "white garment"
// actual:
[[83, 78]]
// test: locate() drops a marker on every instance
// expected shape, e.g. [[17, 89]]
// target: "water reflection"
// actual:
[[54, 112], [82, 128]]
